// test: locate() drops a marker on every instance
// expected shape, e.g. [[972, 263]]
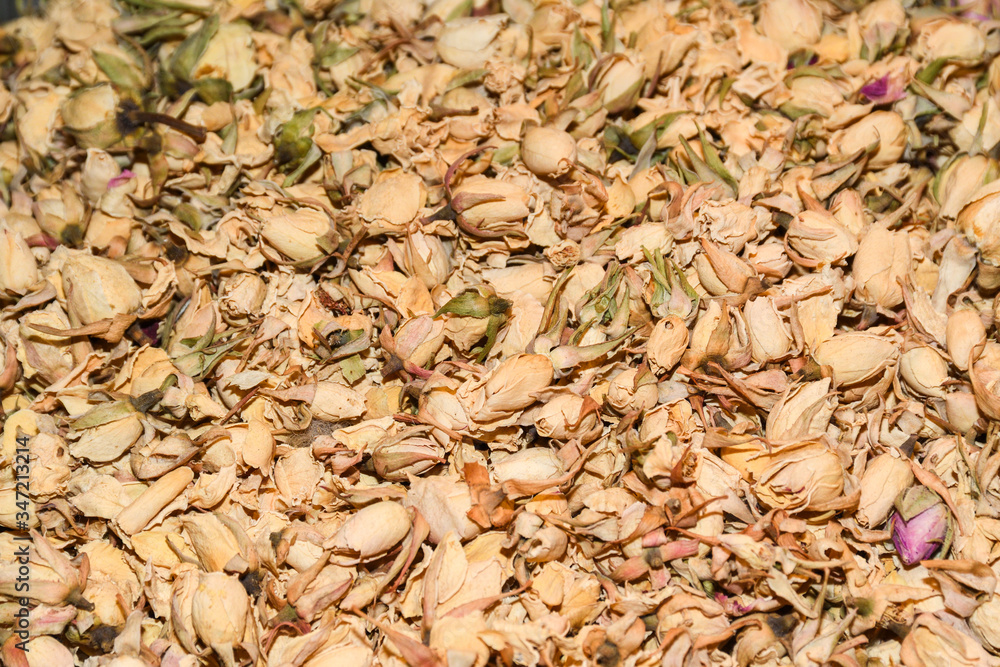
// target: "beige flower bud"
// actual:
[[547, 151], [219, 610], [468, 42], [372, 531], [393, 201], [820, 237], [18, 271], [624, 395], [933, 642], [804, 411], [512, 385], [666, 344], [564, 255], [562, 418], [961, 410], [813, 94], [985, 622], [60, 213], [620, 81], [151, 502], [90, 115], [97, 288], [880, 265], [885, 127], [885, 477], [856, 356], [960, 179], [444, 502], [230, 55], [97, 172], [241, 296], [802, 477], [533, 464], [985, 376], [485, 202], [44, 651], [545, 545], [770, 335], [300, 235], [794, 24], [395, 461], [924, 371], [977, 221], [949, 38]]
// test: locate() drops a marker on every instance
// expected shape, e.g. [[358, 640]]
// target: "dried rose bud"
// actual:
[[90, 114], [964, 332], [880, 267], [485, 202], [219, 611], [793, 24], [229, 55], [932, 642], [547, 151], [961, 410], [534, 463], [924, 371], [922, 525], [302, 235], [372, 531], [801, 477], [961, 177], [414, 456], [886, 128], [468, 42], [885, 477], [949, 38], [564, 416], [620, 81], [18, 271], [977, 221], [770, 334], [856, 356], [98, 288], [985, 622], [666, 344], [241, 296], [820, 237]]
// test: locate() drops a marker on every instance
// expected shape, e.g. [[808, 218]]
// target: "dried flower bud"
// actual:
[[985, 622], [955, 185], [802, 477], [880, 265], [467, 42], [547, 151], [620, 81], [302, 235], [666, 344], [396, 461], [921, 526], [793, 24], [931, 642], [976, 221], [856, 357], [219, 610], [951, 39], [884, 479], [924, 371], [565, 416], [886, 128], [965, 331], [820, 237], [486, 202], [241, 296], [98, 288], [534, 463], [372, 531], [961, 410], [770, 335], [18, 271], [91, 116]]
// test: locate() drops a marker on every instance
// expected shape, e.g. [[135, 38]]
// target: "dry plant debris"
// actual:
[[500, 332]]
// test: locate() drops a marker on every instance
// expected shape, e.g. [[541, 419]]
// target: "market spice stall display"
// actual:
[[495, 332]]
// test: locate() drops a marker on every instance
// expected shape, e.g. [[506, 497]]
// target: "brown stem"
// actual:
[[193, 131]]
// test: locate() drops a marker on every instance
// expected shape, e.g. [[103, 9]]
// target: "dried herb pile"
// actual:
[[495, 332]]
